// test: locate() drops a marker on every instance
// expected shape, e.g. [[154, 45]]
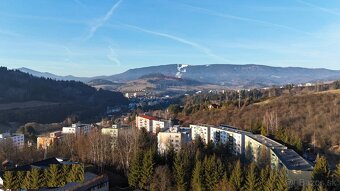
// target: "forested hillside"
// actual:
[[24, 98], [303, 120]]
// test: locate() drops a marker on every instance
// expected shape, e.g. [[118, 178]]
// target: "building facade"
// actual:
[[17, 139], [145, 121], [44, 142], [160, 125], [77, 129], [174, 137], [259, 149]]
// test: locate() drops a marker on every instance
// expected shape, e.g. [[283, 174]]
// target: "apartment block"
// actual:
[[258, 149], [44, 142], [160, 125], [174, 137], [77, 129], [145, 121], [17, 139], [299, 171], [200, 131]]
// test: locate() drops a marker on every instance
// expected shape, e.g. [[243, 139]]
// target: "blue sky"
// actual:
[[92, 37]]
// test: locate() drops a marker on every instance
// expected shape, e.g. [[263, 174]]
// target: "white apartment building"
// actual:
[[77, 129], [200, 131], [145, 121], [112, 131], [254, 146], [299, 171], [234, 137], [160, 125], [17, 139], [175, 137]]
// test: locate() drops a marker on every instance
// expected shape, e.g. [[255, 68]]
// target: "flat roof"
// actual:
[[267, 141], [232, 129], [292, 160], [177, 129], [148, 117]]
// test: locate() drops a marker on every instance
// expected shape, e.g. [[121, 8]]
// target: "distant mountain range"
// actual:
[[229, 75]]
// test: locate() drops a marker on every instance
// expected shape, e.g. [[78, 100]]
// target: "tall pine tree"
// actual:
[[213, 172], [264, 175], [181, 171], [236, 178], [321, 171], [251, 182], [337, 176], [9, 180], [271, 182], [197, 177], [20, 179], [282, 180], [35, 179], [135, 170], [53, 176], [147, 170]]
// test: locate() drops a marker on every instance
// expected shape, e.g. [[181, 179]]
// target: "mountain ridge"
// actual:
[[229, 75]]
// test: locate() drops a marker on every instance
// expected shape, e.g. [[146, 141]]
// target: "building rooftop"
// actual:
[[41, 164], [178, 129], [148, 117], [233, 129], [292, 160], [267, 142]]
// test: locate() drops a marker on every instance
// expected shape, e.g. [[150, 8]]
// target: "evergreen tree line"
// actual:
[[51, 177], [200, 168]]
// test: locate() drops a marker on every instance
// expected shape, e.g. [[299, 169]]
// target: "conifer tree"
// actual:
[[9, 180], [147, 170], [251, 182], [213, 172], [196, 183], [321, 171], [181, 174], [271, 183], [20, 179], [337, 177], [80, 173], [53, 176], [264, 175], [35, 179], [65, 171], [224, 184], [282, 181], [309, 187], [236, 178], [135, 170]]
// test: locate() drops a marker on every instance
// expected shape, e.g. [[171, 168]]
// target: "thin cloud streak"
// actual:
[[103, 20], [245, 19], [318, 7], [113, 56], [197, 46]]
